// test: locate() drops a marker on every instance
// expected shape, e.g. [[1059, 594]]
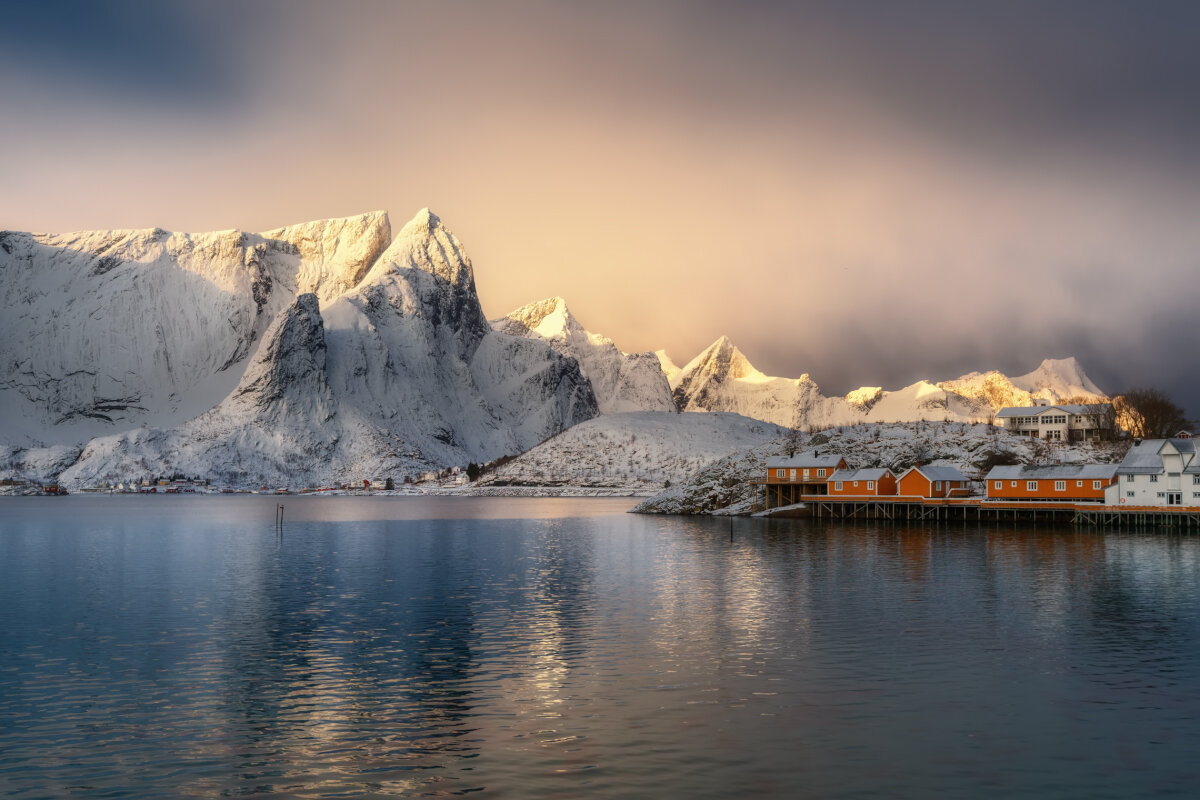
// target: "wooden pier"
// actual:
[[977, 509]]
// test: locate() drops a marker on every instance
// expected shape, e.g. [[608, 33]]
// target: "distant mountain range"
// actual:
[[332, 351]]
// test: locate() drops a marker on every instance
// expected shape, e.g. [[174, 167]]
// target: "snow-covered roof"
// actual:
[[1091, 472], [810, 459], [1145, 457], [869, 474], [1032, 411], [938, 473]]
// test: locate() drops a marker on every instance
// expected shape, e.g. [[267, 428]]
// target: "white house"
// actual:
[[1158, 472], [1058, 423]]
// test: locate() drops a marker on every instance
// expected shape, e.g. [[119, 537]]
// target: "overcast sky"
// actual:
[[869, 192]]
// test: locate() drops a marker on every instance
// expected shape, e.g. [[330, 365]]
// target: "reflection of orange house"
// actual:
[[1072, 483], [862, 482], [792, 478], [933, 482]]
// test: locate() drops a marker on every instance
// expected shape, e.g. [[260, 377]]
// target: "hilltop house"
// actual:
[[926, 481], [875, 482], [792, 478], [1158, 472], [1059, 423], [1075, 483]]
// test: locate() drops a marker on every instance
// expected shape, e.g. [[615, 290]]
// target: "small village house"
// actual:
[[875, 482], [927, 481], [1072, 483], [792, 478], [1158, 472], [1073, 423]]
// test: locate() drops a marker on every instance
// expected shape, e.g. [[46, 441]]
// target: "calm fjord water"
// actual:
[[177, 647]]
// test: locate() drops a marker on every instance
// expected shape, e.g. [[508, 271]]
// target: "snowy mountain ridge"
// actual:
[[331, 351], [397, 373], [622, 382], [721, 378]]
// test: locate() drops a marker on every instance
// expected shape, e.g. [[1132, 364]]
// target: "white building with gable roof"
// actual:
[[1058, 423], [1158, 472]]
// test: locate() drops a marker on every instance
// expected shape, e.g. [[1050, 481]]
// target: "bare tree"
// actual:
[[1148, 414], [1102, 416]]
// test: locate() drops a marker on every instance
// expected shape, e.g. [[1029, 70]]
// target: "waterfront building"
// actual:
[[1070, 483], [792, 478], [927, 481], [1159, 472], [874, 482]]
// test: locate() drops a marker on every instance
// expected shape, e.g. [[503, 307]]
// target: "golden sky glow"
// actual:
[[868, 193]]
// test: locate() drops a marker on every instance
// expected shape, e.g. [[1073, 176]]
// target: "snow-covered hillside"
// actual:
[[637, 452], [724, 485], [721, 378], [108, 330], [398, 374], [621, 381]]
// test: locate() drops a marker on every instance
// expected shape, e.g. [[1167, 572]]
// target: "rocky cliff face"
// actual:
[[622, 382], [109, 330], [394, 375]]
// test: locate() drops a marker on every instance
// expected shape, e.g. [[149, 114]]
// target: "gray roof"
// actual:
[[809, 459], [871, 474], [938, 473], [1145, 457], [1090, 472], [1031, 411]]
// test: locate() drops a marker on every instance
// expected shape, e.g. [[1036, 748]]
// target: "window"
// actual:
[[806, 474], [870, 486], [1161, 494], [1130, 478], [793, 475], [1195, 494], [1060, 486], [1078, 484], [837, 485], [1031, 486], [820, 473], [1154, 479], [937, 486], [856, 484], [1196, 480], [1014, 485], [1097, 484], [1130, 494], [999, 485]]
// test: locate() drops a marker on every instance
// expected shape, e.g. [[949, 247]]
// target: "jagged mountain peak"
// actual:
[[1060, 376], [549, 318], [722, 358], [336, 253], [621, 381], [426, 244]]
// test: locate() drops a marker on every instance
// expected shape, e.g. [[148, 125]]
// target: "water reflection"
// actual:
[[603, 654]]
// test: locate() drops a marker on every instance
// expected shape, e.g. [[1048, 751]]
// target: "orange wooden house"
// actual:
[[1069, 484], [862, 483], [926, 481], [792, 478]]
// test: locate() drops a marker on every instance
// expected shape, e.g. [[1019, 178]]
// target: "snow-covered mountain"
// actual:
[[385, 367], [637, 452], [108, 330], [721, 378], [622, 381]]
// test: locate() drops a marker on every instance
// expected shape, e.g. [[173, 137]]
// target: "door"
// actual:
[[1174, 498]]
